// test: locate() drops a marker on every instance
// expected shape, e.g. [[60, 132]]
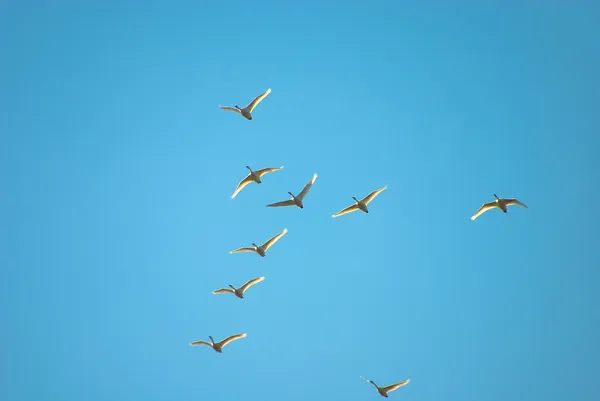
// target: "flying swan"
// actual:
[[254, 176], [261, 250], [385, 390], [218, 346], [360, 204], [246, 111], [296, 200], [239, 292], [500, 204]]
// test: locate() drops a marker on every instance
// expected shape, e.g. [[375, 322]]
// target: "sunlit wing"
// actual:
[[231, 338], [241, 185], [307, 187], [264, 171], [395, 386], [230, 109], [273, 240], [222, 291], [200, 343], [257, 100], [347, 210], [510, 202], [243, 250], [250, 283], [282, 203], [484, 208], [372, 195]]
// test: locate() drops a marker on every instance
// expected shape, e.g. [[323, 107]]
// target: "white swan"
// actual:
[[239, 292], [254, 176], [360, 204], [385, 390], [218, 346], [500, 204], [296, 200], [261, 250], [246, 111]]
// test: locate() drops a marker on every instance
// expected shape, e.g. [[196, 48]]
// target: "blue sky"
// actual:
[[118, 167]]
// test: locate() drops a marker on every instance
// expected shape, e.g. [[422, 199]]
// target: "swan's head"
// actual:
[[248, 167], [292, 195], [355, 199], [496, 196], [232, 286], [211, 339], [237, 107], [256, 246]]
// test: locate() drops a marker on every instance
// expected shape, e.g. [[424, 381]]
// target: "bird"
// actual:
[[261, 250], [254, 176], [296, 200], [218, 346], [360, 204], [500, 204], [385, 390], [246, 111], [239, 292]]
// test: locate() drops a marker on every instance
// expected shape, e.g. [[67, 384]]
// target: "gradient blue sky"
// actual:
[[118, 166]]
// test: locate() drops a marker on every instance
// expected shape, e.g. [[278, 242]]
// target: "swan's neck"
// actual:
[[496, 196], [232, 286], [292, 195], [355, 199]]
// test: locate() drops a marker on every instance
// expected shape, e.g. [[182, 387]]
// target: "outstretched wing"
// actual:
[[264, 171], [347, 210], [231, 338], [222, 291], [396, 386], [484, 208], [307, 187], [200, 343], [372, 195], [257, 100], [510, 202], [273, 240], [243, 250], [230, 109], [242, 184], [250, 283], [282, 203]]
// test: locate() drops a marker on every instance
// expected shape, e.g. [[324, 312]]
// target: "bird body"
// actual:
[[296, 200], [498, 203], [218, 346], [261, 249], [239, 292], [360, 204], [247, 111]]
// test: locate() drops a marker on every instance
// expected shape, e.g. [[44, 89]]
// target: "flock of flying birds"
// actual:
[[297, 200]]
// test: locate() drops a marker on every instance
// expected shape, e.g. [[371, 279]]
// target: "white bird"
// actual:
[[500, 204], [239, 292], [218, 346], [385, 390], [296, 200], [254, 176], [246, 111], [261, 250], [360, 204]]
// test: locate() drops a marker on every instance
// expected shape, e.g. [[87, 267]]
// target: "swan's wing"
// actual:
[[257, 100], [373, 194], [231, 338], [264, 171], [370, 381], [200, 343], [484, 208], [222, 291], [242, 184], [282, 203], [243, 250], [230, 109], [347, 210], [273, 240], [510, 202], [307, 187], [250, 283], [396, 386]]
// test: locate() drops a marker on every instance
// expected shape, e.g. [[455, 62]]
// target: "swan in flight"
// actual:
[[254, 176], [261, 250], [385, 390], [218, 346], [360, 204], [246, 111], [500, 204], [239, 292], [296, 200]]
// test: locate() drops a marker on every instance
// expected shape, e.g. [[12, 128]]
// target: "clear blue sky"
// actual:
[[118, 167]]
